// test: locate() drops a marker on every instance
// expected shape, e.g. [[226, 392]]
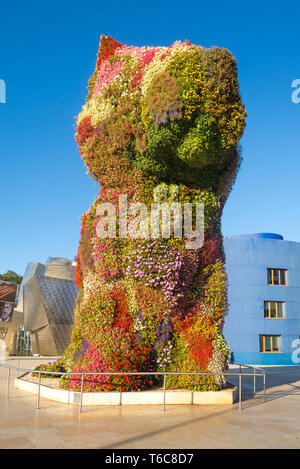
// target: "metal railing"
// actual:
[[256, 373]]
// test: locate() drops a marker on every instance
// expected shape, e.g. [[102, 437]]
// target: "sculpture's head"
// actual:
[[171, 112]]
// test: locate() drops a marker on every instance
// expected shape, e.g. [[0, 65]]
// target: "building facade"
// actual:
[[263, 323], [43, 318], [49, 295]]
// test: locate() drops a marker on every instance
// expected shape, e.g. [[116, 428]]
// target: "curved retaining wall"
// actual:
[[226, 396]]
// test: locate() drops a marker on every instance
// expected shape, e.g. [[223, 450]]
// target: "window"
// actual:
[[277, 277], [274, 309], [269, 343], [23, 343]]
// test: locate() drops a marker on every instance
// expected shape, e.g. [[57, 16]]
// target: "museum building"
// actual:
[[263, 323]]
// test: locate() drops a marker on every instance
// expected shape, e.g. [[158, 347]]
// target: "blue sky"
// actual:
[[48, 52]]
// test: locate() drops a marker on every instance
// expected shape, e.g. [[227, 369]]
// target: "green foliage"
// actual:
[[162, 98], [202, 146], [162, 143], [215, 289], [57, 366], [68, 359], [11, 276]]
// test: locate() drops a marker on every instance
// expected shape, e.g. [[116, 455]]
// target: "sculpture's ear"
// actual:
[[107, 47]]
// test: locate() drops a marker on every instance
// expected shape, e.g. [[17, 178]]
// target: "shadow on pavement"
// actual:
[[280, 382]]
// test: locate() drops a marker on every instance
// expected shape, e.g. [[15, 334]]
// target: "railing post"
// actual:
[[240, 392], [38, 393], [164, 392], [8, 380], [265, 395], [254, 383], [81, 391]]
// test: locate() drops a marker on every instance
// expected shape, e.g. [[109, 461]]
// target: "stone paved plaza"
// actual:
[[274, 424]]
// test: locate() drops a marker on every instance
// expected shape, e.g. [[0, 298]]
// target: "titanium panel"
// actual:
[[49, 305]]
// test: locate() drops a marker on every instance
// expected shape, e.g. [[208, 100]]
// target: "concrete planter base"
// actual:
[[225, 396]]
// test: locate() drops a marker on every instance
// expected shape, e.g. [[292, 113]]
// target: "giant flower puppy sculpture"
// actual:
[[160, 125]]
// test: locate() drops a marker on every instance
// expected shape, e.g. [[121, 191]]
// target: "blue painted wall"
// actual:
[[247, 260]]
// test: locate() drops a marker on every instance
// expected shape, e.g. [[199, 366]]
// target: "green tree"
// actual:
[[11, 276]]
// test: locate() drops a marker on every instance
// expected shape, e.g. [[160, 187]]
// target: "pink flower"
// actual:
[[108, 71]]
